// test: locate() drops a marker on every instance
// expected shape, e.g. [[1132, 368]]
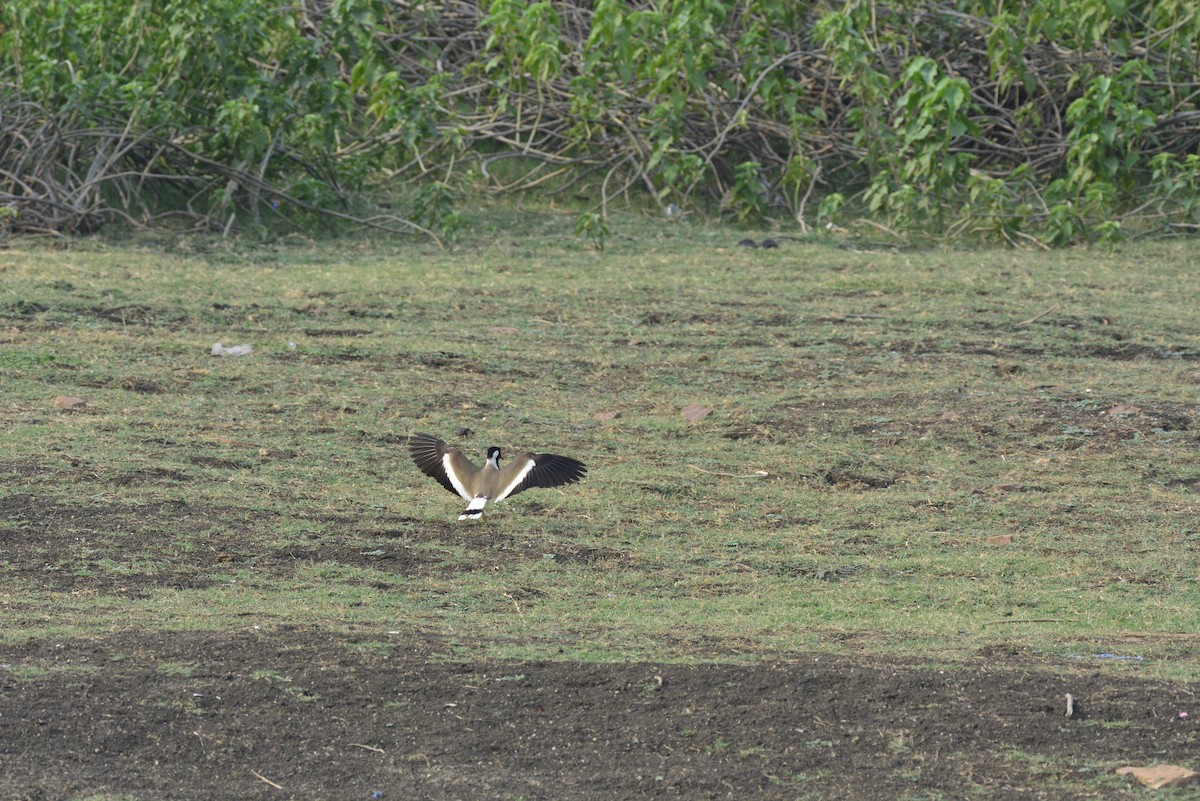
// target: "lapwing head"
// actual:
[[494, 457]]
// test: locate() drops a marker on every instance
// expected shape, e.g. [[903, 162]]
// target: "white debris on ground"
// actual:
[[237, 350]]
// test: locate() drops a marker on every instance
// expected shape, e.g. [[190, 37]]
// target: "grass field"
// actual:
[[876, 419], [847, 505]]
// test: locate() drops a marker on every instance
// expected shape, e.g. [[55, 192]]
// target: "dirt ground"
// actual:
[[301, 714]]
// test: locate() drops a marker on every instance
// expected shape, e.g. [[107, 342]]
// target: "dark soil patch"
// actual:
[[150, 475], [133, 550], [112, 548], [847, 477], [142, 386], [22, 309], [1191, 483], [399, 560], [303, 714], [219, 463], [1031, 419], [1133, 350], [337, 332], [488, 549]]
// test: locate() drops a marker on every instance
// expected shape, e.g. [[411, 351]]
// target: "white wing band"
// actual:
[[454, 479], [516, 482]]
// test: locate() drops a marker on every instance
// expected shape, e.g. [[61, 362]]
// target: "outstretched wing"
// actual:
[[531, 470], [435, 458]]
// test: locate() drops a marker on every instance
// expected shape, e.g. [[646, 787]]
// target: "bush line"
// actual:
[[1049, 123]]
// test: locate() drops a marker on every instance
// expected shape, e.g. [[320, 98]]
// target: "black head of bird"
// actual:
[[491, 483]]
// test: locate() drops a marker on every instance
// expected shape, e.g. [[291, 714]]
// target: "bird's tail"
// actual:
[[474, 509]]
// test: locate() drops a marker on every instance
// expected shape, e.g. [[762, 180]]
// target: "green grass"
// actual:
[[904, 407]]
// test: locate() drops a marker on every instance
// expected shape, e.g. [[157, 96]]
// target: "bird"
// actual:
[[444, 462]]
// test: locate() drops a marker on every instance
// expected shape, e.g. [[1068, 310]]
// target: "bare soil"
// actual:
[[300, 713]]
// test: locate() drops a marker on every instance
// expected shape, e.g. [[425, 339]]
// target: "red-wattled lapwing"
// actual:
[[478, 485]]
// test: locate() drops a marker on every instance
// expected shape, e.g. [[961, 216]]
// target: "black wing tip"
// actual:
[[425, 444], [555, 471], [421, 436], [574, 468], [427, 452]]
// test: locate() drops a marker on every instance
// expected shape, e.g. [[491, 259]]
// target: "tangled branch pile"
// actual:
[[1058, 121]]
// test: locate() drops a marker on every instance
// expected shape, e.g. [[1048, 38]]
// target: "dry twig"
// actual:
[[258, 775], [755, 474]]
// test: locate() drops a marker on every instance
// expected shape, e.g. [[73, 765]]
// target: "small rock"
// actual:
[[1123, 410], [695, 411], [1156, 776], [237, 350], [69, 402], [1000, 539]]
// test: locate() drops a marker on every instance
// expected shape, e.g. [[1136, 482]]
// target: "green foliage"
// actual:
[[667, 55], [241, 83], [526, 36], [594, 227], [1178, 186], [842, 36], [921, 163], [1052, 120], [180, 62], [1106, 128], [831, 204], [923, 168], [748, 195], [435, 207]]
